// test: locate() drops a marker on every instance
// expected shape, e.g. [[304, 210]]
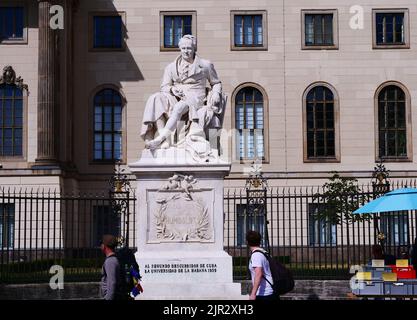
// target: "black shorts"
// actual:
[[271, 297]]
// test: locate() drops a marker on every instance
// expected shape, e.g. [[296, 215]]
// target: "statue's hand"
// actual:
[[215, 99], [177, 92]]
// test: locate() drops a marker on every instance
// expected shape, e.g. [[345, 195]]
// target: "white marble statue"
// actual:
[[185, 105]]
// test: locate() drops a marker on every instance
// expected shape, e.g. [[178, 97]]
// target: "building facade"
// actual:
[[313, 87]]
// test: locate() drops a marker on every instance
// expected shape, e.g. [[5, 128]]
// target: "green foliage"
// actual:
[[44, 265], [338, 201], [38, 271]]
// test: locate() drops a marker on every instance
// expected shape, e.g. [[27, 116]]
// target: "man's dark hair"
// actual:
[[253, 238], [110, 241]]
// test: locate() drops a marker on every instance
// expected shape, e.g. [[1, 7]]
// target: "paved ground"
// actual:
[[303, 290]]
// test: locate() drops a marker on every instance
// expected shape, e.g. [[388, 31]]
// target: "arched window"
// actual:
[[107, 126], [11, 120], [392, 127], [320, 123], [249, 116]]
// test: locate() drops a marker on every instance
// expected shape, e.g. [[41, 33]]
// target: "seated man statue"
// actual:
[[184, 93]]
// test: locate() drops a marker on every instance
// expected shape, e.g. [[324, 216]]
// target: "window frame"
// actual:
[[335, 45], [406, 44], [408, 122], [11, 224], [235, 145], [311, 220], [251, 221], [91, 121], [264, 15], [162, 15], [24, 39], [91, 16], [19, 83], [390, 223], [104, 213], [336, 111]]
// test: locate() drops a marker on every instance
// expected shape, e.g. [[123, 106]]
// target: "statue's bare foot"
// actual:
[[165, 145], [154, 144]]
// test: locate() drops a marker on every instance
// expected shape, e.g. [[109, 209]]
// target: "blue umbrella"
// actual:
[[397, 200]]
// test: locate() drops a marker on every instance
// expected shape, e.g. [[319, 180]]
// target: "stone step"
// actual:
[[192, 291]]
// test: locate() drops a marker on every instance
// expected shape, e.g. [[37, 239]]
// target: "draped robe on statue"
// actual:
[[193, 80]]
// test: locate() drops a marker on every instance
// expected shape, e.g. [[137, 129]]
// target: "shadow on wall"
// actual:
[[101, 68], [97, 68], [113, 64]]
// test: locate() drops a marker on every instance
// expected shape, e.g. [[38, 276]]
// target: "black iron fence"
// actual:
[[40, 229], [313, 248]]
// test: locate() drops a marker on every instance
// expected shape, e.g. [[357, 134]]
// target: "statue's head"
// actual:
[[188, 46], [188, 37]]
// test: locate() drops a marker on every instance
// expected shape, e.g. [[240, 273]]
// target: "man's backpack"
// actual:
[[129, 271], [283, 280]]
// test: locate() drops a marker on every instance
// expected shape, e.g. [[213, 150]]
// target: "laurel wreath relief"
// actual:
[[199, 231]]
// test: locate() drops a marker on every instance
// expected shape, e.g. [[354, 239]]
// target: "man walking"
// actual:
[[110, 280], [259, 268]]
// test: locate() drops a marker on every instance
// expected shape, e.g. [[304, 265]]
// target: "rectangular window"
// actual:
[[174, 25], [12, 25], [321, 233], [248, 30], [395, 228], [254, 220], [11, 121], [108, 131], [107, 31], [7, 225], [319, 29], [390, 28], [104, 222]]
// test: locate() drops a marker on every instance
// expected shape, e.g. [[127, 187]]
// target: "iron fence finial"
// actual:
[[380, 174], [255, 179]]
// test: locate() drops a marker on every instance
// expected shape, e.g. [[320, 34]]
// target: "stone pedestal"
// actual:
[[180, 225]]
